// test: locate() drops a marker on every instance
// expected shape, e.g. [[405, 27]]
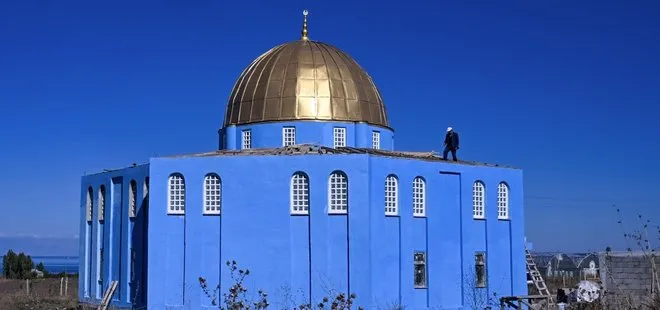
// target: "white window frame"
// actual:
[[339, 137], [288, 136], [391, 195], [503, 201], [246, 139], [299, 194], [176, 194], [89, 204], [375, 140], [419, 197], [212, 194], [338, 201], [101, 203], [132, 199], [478, 200]]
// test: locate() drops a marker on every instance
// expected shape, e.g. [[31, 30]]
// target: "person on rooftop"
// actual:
[[451, 144]]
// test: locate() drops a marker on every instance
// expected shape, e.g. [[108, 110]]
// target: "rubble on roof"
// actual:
[[313, 149]]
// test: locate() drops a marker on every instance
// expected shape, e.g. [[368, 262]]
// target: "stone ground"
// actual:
[[44, 294]]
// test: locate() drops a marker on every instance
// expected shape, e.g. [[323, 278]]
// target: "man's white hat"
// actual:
[[449, 129]]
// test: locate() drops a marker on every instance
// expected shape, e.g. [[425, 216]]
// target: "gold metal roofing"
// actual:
[[305, 80]]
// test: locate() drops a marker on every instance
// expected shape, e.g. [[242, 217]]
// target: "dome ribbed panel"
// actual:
[[305, 80]]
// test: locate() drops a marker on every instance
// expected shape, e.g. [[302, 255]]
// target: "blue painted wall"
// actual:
[[269, 135], [299, 259], [117, 234], [294, 257]]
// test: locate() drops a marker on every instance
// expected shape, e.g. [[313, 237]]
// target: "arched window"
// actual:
[[299, 194], [176, 194], [419, 197], [145, 188], [338, 193], [89, 204], [391, 195], [101, 203], [502, 201], [212, 194], [478, 201], [132, 194]]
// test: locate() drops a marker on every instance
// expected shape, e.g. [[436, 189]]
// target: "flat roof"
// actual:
[[312, 149], [110, 170]]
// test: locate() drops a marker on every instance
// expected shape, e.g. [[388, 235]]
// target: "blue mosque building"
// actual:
[[307, 191]]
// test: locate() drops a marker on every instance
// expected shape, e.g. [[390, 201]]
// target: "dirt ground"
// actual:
[[44, 294]]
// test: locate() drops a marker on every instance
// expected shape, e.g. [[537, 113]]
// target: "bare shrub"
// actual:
[[477, 297], [236, 298]]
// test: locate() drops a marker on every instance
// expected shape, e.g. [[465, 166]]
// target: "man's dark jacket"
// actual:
[[451, 140]]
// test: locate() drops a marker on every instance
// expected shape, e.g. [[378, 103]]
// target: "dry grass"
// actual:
[[44, 294]]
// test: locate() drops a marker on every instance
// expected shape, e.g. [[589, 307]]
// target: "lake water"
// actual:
[[56, 264]]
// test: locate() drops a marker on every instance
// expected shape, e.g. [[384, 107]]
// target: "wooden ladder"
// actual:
[[536, 276], [108, 295]]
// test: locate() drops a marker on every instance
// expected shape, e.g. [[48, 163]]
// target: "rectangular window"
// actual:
[[246, 139], [420, 269], [480, 269], [89, 264], [375, 140], [133, 255], [288, 136], [339, 136], [100, 266]]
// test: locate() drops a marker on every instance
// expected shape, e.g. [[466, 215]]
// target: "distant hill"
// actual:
[[39, 246]]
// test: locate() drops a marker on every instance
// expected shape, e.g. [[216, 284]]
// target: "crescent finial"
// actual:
[[304, 30]]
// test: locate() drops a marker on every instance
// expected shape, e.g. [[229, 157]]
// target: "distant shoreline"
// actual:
[[55, 263]]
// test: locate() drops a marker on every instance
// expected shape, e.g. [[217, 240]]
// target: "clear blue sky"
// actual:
[[566, 90]]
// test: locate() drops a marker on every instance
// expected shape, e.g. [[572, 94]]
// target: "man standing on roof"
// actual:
[[451, 143]]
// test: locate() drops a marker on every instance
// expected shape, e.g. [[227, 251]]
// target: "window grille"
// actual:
[[338, 193]]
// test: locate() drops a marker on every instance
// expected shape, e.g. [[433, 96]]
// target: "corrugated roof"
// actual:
[[312, 149], [584, 261], [562, 262], [569, 260], [542, 259]]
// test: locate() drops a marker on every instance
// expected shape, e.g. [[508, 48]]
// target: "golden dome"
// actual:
[[305, 80]]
